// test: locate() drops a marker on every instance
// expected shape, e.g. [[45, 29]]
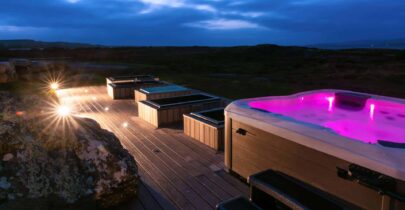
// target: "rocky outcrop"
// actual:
[[30, 70], [46, 164], [7, 72]]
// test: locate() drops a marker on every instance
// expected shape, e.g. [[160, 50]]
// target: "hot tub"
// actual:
[[206, 126], [166, 111], [327, 138], [168, 91], [125, 90]]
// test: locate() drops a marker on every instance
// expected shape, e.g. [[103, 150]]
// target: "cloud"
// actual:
[[202, 22], [154, 5], [237, 3], [20, 29], [313, 2], [73, 1], [225, 24], [244, 14], [168, 3]]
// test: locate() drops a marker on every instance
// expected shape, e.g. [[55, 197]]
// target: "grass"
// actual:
[[241, 72], [238, 86], [22, 87]]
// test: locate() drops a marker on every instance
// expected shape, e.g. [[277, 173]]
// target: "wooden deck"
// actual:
[[177, 172]]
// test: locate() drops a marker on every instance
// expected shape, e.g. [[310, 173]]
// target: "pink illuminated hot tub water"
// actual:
[[377, 120]]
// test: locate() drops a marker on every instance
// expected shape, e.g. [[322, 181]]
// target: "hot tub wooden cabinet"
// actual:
[[168, 91], [256, 140], [132, 78], [125, 90], [206, 127], [166, 111]]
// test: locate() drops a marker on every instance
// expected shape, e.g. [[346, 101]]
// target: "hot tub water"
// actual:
[[371, 120]]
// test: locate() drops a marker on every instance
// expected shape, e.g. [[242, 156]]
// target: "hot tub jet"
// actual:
[[330, 99], [372, 109]]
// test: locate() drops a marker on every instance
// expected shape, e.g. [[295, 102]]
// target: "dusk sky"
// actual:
[[203, 22]]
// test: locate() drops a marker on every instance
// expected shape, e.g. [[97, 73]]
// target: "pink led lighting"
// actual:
[[372, 109], [330, 99], [387, 122]]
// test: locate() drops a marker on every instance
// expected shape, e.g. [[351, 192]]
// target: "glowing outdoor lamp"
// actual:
[[63, 111], [54, 86]]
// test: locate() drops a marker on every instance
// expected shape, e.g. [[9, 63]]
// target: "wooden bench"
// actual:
[[270, 189]]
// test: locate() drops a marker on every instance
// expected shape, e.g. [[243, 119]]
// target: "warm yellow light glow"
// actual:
[[54, 86], [125, 124], [106, 108], [63, 111]]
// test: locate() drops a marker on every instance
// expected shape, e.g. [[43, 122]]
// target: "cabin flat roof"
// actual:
[[164, 89], [180, 100], [177, 172], [129, 77], [134, 84]]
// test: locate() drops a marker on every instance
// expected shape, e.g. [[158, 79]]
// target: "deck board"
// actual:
[[177, 172]]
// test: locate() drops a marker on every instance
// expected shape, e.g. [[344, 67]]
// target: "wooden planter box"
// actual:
[[133, 78], [166, 111], [206, 127], [151, 93], [125, 90]]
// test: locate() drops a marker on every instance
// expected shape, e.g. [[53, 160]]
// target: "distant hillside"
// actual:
[[365, 44], [32, 44], [242, 72]]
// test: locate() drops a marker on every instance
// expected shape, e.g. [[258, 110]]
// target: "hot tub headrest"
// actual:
[[391, 144], [351, 101]]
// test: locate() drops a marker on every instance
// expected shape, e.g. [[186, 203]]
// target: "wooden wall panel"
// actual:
[[120, 93], [207, 134], [148, 114], [140, 96], [172, 115]]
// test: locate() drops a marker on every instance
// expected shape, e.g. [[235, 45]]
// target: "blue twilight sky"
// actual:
[[202, 22]]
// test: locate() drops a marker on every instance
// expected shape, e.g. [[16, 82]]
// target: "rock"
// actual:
[[20, 62], [50, 166], [8, 157], [4, 184], [30, 70], [83, 77], [21, 65], [7, 72]]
